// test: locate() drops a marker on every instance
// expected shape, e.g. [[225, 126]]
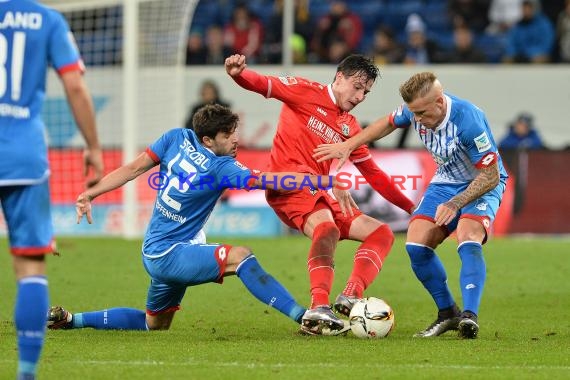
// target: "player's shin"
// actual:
[[321, 262], [472, 275], [368, 260], [429, 270], [267, 289], [120, 318], [30, 320]]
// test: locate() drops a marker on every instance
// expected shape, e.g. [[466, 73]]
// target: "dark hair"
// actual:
[[357, 64], [213, 119]]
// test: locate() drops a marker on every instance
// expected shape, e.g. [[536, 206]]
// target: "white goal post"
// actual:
[[129, 46]]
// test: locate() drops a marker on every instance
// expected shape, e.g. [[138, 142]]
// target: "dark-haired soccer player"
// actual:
[[197, 166], [464, 194], [33, 37], [313, 114]]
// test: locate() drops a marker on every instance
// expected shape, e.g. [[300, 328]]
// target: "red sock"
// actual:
[[368, 260], [321, 262]]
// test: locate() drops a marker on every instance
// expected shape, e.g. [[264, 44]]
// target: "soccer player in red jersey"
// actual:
[[314, 114]]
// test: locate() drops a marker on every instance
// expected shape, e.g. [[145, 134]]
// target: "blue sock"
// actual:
[[120, 318], [30, 318], [429, 270], [472, 275], [266, 289]]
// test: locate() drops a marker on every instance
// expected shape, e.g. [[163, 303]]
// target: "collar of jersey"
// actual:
[[447, 114]]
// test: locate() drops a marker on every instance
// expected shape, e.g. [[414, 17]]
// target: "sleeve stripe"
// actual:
[[152, 155], [75, 66]]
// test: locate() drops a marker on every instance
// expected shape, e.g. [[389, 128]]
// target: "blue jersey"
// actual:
[[32, 36], [193, 179], [460, 145]]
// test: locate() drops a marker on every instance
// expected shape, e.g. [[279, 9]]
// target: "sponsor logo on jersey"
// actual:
[[321, 111], [345, 129], [326, 133], [288, 80], [482, 142]]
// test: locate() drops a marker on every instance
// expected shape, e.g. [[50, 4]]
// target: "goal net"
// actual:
[[134, 52]]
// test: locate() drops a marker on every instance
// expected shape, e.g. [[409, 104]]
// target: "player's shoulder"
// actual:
[[465, 111], [295, 81], [33, 6]]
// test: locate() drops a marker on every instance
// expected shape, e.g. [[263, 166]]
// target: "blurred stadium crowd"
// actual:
[[393, 31]]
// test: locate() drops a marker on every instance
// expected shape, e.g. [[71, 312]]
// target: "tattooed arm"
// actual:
[[485, 181]]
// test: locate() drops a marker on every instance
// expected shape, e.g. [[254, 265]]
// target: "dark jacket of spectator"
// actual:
[[532, 38]]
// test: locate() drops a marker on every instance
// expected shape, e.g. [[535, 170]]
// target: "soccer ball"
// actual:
[[371, 318]]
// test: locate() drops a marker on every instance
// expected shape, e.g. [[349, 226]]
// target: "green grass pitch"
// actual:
[[224, 333]]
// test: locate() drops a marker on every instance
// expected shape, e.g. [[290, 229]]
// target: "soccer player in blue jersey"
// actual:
[[463, 195], [197, 166], [33, 36]]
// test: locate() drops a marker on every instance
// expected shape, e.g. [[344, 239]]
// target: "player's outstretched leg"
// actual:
[[121, 318], [368, 261], [267, 289]]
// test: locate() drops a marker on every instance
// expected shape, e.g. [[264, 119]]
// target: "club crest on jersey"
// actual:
[[288, 80], [345, 129], [482, 142]]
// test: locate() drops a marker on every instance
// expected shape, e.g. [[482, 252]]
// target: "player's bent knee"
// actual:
[[159, 321], [326, 230], [238, 254]]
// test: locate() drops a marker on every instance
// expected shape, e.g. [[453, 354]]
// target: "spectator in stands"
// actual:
[[531, 40], [216, 50], [522, 134], [463, 50], [209, 94], [563, 33], [419, 50], [195, 49], [244, 33], [472, 14], [503, 14], [303, 29], [339, 24], [385, 47]]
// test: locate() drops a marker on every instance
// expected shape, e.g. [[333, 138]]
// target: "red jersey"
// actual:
[[309, 117]]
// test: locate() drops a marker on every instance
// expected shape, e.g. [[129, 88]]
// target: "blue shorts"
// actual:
[[27, 212], [184, 265], [483, 209]]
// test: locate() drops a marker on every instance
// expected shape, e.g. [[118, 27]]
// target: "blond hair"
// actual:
[[417, 86]]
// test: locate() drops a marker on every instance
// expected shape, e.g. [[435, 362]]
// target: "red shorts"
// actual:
[[294, 207]]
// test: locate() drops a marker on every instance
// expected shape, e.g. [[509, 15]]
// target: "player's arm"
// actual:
[[383, 184], [112, 181], [84, 113], [376, 130], [487, 179], [297, 181]]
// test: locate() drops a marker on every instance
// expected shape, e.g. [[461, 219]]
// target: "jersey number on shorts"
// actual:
[[16, 64]]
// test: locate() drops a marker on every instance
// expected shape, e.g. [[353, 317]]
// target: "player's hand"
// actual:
[[445, 213], [83, 207], [93, 158], [325, 152], [345, 201], [235, 64]]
